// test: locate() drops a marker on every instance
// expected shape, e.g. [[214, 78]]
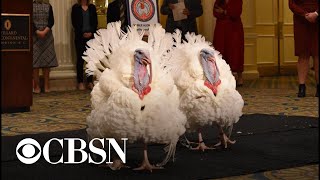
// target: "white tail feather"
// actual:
[[170, 150], [108, 40], [99, 49]]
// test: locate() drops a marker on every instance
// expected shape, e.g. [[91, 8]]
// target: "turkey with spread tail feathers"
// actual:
[[134, 97], [207, 87]]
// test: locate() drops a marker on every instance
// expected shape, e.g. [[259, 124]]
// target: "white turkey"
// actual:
[[207, 87], [134, 97]]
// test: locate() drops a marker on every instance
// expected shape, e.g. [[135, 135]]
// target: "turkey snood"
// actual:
[[210, 70], [141, 76]]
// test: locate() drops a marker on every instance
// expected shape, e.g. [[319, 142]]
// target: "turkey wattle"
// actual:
[[134, 97], [207, 86]]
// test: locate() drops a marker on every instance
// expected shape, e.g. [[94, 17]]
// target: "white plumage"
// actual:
[[120, 108], [201, 105]]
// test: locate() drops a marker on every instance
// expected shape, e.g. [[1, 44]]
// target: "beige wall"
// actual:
[[268, 31], [261, 24], [207, 23]]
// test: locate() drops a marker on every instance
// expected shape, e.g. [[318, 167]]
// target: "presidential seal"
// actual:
[[143, 10]]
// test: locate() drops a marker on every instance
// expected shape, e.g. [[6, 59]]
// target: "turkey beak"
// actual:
[[211, 58], [146, 61]]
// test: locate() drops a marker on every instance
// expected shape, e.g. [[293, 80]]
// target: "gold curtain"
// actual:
[[162, 17]]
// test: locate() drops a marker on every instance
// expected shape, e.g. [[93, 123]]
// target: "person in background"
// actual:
[[193, 10], [44, 55], [117, 11], [229, 34], [85, 22], [306, 29]]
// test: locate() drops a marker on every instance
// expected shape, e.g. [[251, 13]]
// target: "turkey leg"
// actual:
[[224, 139], [117, 164], [145, 163], [201, 145]]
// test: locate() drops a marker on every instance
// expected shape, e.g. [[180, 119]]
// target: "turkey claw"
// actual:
[[224, 141], [116, 165], [148, 167], [202, 147]]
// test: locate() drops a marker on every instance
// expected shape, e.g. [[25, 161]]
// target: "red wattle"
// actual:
[[147, 90], [213, 87]]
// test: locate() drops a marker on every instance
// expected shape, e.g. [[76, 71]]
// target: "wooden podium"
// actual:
[[16, 55]]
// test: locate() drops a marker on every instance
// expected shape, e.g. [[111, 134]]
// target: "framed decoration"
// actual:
[[143, 13]]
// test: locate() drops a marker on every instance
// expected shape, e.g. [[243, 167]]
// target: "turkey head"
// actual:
[[210, 70], [142, 77]]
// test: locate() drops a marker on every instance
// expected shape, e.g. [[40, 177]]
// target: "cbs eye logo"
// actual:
[[27, 149]]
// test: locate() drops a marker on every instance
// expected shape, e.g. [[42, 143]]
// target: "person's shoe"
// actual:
[[81, 86], [37, 91], [302, 90], [239, 82], [317, 92], [90, 86]]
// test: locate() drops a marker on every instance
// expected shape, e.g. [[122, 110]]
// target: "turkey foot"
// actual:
[[145, 163], [224, 140], [201, 145], [186, 143], [116, 165]]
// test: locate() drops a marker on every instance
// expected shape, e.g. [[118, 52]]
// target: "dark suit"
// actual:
[[80, 41], [113, 13], [187, 25]]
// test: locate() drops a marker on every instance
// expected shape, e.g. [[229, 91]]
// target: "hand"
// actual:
[[218, 9], [171, 6], [311, 17], [87, 35], [41, 34], [186, 12]]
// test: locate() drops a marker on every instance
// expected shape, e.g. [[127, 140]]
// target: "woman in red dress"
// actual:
[[229, 35], [305, 18]]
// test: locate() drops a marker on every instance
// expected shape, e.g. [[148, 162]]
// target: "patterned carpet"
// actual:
[[60, 111]]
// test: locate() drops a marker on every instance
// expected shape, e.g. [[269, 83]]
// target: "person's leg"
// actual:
[[89, 78], [78, 44], [90, 82], [36, 86], [303, 69], [239, 79], [46, 72], [316, 71]]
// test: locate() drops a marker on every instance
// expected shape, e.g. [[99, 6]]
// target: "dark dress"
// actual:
[[305, 33], [44, 55], [229, 35], [186, 25], [77, 16]]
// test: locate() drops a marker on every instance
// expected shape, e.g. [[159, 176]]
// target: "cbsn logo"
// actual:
[[29, 155]]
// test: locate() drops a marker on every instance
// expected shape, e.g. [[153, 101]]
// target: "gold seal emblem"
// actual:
[[7, 24]]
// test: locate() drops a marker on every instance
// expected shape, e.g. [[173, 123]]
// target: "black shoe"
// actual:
[[302, 90], [317, 92]]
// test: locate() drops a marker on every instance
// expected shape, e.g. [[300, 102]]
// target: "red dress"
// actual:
[[305, 32], [229, 35]]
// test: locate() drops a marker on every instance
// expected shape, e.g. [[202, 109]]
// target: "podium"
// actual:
[[16, 55]]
